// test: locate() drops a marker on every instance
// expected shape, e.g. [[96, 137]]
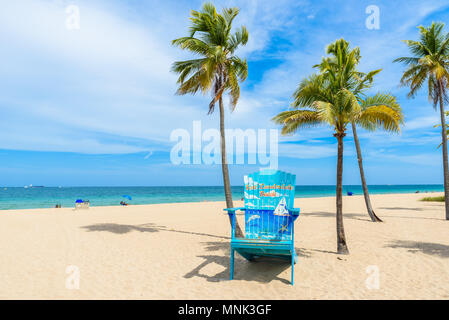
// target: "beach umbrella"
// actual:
[[127, 197], [79, 201]]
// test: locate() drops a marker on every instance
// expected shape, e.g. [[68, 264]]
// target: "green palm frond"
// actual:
[[292, 120], [381, 99], [233, 87], [336, 96], [240, 67], [229, 15], [379, 117], [313, 88], [197, 82], [407, 60], [218, 70], [380, 111], [193, 45], [326, 111], [429, 62], [240, 37], [187, 68]]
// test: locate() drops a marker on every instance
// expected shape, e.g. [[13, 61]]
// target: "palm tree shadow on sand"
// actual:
[[146, 227], [402, 208], [429, 248], [263, 269], [354, 216], [121, 228], [410, 210]]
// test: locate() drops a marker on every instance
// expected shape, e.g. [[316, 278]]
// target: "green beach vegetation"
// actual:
[[429, 64], [433, 199], [334, 96], [217, 71]]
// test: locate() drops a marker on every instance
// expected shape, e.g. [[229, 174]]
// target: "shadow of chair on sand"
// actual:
[[429, 248], [263, 269]]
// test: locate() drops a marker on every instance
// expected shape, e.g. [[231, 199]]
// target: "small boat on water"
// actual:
[[31, 186]]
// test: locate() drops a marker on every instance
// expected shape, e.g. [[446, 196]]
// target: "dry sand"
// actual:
[[181, 251]]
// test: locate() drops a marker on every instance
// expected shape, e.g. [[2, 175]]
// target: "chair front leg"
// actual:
[[293, 266], [232, 263], [233, 225]]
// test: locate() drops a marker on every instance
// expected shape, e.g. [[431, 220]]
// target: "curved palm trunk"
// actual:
[[341, 239], [225, 170], [370, 210], [445, 163]]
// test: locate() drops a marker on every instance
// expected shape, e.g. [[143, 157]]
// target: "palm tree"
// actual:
[[218, 70], [430, 63], [337, 60], [332, 98], [389, 109]]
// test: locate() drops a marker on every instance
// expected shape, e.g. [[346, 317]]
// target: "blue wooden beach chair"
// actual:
[[269, 218]]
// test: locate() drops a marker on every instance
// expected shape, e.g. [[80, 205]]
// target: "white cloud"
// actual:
[[104, 40], [423, 159], [307, 151], [111, 77], [426, 122]]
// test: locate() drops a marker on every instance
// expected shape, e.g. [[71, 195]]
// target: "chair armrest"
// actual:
[[233, 210], [231, 213], [294, 211]]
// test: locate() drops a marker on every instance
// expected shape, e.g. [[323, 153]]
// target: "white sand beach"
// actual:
[[181, 251]]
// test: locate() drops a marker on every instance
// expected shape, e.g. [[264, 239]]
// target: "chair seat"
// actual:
[[260, 242], [251, 248]]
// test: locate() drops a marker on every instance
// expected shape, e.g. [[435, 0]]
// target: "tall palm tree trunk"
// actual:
[[225, 170], [370, 210], [444, 137], [341, 239]]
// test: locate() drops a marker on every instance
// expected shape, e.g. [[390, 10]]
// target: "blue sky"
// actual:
[[96, 106]]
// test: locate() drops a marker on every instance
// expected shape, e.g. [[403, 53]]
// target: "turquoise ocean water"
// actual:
[[48, 197]]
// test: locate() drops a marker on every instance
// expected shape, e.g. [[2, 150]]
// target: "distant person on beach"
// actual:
[[123, 203]]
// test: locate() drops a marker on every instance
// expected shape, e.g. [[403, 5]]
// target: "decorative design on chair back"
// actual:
[[268, 194]]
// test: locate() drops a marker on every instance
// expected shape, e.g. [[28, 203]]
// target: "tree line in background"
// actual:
[[335, 95]]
